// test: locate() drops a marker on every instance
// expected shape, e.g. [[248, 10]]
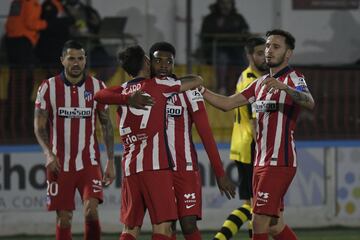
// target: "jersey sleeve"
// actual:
[[203, 127], [112, 95], [249, 92], [195, 99], [43, 97], [101, 106], [299, 82]]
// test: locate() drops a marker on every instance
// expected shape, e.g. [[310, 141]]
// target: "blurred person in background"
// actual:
[[242, 147], [85, 27], [222, 34], [64, 123], [22, 30], [54, 36], [277, 99], [184, 109]]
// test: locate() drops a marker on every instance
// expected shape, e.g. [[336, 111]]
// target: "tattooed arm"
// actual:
[[42, 135], [108, 135], [303, 98]]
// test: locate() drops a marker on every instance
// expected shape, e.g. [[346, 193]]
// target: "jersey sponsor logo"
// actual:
[[265, 106], [260, 204], [263, 195], [96, 185], [174, 111], [189, 195], [262, 198], [124, 131], [196, 96], [74, 112], [88, 95], [190, 200], [130, 139], [189, 206], [132, 88]]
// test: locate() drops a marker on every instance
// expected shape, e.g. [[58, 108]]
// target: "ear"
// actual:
[[289, 53]]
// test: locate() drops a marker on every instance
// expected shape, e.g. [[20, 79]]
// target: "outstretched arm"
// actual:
[[189, 82], [114, 96], [108, 135], [42, 135], [224, 103]]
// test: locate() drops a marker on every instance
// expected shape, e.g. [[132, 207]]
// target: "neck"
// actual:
[[275, 70], [74, 80], [142, 74]]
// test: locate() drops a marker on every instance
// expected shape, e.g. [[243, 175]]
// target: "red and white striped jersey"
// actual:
[[72, 119], [143, 131], [183, 110], [276, 116]]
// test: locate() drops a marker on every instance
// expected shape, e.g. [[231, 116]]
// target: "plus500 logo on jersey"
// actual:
[[174, 110], [72, 112]]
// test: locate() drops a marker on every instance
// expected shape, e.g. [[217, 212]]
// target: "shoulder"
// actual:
[[296, 77]]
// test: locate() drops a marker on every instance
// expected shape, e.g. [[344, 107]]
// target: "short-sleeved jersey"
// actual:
[[242, 134], [72, 119], [276, 115], [183, 110], [143, 131]]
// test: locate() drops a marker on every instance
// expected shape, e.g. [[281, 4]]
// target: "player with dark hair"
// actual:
[[242, 146], [146, 165], [64, 123], [184, 109], [277, 99]]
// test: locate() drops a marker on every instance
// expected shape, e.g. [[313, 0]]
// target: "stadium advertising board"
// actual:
[[311, 195]]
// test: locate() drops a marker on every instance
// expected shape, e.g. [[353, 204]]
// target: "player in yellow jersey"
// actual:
[[242, 142]]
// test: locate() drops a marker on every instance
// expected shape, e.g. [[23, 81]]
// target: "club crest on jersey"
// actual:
[[88, 95]]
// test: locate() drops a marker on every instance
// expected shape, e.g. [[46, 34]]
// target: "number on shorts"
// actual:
[[52, 188]]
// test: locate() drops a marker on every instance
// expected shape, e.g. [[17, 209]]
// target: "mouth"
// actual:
[[163, 73]]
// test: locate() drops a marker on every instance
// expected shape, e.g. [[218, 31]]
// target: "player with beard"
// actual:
[[242, 146], [64, 123], [184, 110], [277, 98]]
